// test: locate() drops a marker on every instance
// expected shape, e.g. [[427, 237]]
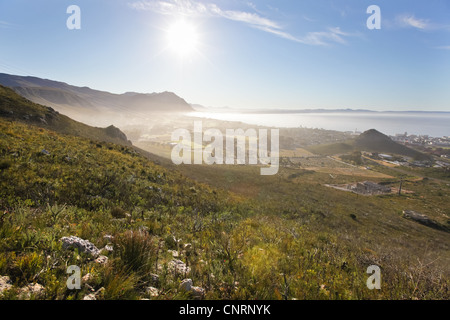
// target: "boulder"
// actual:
[[179, 266], [186, 285], [152, 291], [101, 260], [5, 283], [423, 219], [198, 292], [94, 296], [33, 289], [85, 246]]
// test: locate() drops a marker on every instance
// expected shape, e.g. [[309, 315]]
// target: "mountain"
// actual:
[[375, 141], [15, 107], [84, 102]]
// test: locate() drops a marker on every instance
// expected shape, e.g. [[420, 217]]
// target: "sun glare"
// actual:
[[183, 38]]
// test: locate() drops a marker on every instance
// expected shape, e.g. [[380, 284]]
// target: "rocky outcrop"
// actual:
[[178, 266], [85, 246], [95, 295], [5, 284], [423, 219], [32, 290], [102, 260], [152, 291], [187, 286]]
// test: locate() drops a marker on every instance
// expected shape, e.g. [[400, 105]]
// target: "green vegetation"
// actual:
[[17, 108], [331, 149], [239, 235]]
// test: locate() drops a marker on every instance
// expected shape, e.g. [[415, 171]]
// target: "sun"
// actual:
[[183, 38]]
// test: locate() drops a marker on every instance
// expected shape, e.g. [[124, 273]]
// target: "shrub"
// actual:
[[5, 164], [118, 213], [28, 267], [118, 284], [135, 249]]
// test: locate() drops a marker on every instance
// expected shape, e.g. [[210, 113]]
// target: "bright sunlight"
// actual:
[[183, 38]]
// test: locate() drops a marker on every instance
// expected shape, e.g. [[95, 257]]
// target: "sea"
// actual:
[[433, 124]]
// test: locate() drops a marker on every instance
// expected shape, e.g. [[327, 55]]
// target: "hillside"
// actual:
[[375, 141], [371, 140], [78, 100], [17, 108], [242, 236]]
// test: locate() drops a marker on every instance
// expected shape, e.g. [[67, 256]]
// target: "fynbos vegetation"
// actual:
[[279, 237]]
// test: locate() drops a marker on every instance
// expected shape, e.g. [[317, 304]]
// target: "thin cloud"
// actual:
[[255, 20], [409, 20], [4, 24], [443, 47]]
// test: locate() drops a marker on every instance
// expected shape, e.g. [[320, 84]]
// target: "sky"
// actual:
[[270, 54]]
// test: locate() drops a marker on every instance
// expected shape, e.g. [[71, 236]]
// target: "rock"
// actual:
[[186, 285], [94, 296], [198, 292], [102, 260], [87, 277], [152, 291], [5, 283], [108, 248], [80, 244], [90, 296], [423, 219], [33, 289], [179, 266]]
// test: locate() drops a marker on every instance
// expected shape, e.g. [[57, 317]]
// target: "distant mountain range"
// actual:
[[86, 102], [200, 108], [17, 108]]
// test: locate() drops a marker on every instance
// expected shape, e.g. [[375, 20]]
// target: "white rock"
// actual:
[[33, 289], [90, 297], [152, 291], [87, 277], [178, 266], [198, 292], [5, 283], [102, 260], [80, 244], [186, 285]]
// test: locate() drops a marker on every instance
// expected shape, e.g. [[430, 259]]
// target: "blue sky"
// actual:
[[247, 54]]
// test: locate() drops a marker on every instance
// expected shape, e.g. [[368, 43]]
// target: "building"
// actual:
[[368, 187]]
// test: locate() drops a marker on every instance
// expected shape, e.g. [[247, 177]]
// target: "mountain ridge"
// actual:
[[73, 100], [17, 108]]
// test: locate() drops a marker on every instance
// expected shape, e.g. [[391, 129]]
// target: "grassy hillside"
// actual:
[[17, 108], [238, 235], [331, 149], [238, 247]]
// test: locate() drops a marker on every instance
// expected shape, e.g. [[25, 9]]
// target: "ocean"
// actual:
[[433, 124]]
